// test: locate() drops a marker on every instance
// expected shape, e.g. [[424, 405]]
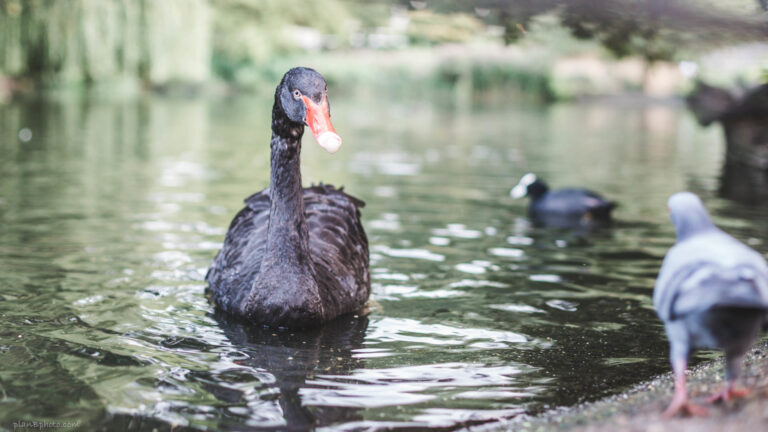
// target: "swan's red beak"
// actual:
[[319, 121]]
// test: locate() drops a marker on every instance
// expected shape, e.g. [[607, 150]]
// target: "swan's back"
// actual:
[[337, 242]]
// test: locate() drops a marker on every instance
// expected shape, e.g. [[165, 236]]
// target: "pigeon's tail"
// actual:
[[739, 288], [743, 294]]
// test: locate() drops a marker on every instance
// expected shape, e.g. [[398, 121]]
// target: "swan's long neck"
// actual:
[[287, 234]]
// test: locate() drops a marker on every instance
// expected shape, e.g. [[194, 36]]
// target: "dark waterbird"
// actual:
[[294, 257], [564, 208], [712, 292]]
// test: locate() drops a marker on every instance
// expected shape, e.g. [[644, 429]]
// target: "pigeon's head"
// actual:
[[688, 215]]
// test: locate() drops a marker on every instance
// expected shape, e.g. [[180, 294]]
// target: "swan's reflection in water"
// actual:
[[291, 358]]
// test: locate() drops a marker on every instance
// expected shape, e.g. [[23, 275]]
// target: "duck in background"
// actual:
[[711, 292], [562, 208]]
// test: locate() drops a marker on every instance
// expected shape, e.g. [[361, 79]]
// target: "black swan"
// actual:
[[294, 257], [568, 207]]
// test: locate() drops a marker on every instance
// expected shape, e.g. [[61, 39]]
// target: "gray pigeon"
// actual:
[[712, 292]]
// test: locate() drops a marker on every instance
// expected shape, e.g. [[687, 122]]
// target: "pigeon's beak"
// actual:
[[319, 122]]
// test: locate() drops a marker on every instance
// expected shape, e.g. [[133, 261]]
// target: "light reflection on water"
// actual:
[[112, 212]]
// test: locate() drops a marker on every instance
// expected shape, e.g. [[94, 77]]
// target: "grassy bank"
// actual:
[[549, 64], [464, 70]]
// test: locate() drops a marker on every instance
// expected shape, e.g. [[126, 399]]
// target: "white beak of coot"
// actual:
[[518, 191], [521, 189]]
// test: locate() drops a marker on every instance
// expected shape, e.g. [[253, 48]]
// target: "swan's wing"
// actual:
[[339, 247], [259, 201], [237, 264], [337, 242]]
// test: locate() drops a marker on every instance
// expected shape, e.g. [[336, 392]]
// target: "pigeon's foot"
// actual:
[[680, 403], [685, 408], [727, 394]]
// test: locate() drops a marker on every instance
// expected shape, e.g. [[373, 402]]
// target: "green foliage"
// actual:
[[159, 43], [249, 34], [56, 42], [494, 74], [429, 28], [466, 73]]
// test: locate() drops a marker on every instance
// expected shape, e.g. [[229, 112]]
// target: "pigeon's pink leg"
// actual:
[[728, 393], [680, 402], [733, 365]]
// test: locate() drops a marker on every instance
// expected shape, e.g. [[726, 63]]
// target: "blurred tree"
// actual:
[[653, 29], [248, 33], [428, 28], [158, 42], [87, 41], [161, 42]]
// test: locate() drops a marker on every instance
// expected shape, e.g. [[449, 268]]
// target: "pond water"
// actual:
[[110, 213]]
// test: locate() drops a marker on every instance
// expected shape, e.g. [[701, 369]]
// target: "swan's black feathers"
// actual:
[[258, 201], [238, 263], [337, 242], [339, 247]]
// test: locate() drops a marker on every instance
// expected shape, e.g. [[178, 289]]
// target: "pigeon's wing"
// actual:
[[709, 270]]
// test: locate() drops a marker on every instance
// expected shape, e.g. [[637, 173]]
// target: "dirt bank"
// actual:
[[639, 409]]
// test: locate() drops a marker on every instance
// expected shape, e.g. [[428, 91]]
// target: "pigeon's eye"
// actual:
[[297, 94]]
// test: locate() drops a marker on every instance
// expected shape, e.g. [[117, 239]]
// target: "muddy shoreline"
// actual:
[[640, 408]]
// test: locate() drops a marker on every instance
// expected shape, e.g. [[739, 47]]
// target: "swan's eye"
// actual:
[[297, 94]]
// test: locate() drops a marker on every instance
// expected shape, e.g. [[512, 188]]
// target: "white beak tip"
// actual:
[[330, 141], [517, 192]]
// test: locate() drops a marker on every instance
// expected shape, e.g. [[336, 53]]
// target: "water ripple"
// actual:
[[476, 314], [409, 330]]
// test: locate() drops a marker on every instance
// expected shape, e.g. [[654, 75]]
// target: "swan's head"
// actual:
[[304, 99]]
